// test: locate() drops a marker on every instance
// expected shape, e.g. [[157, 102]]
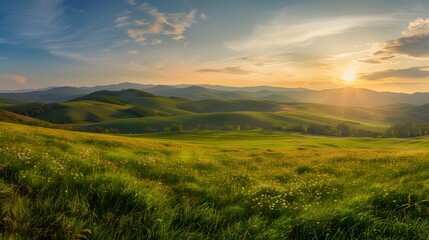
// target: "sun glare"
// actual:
[[349, 75]]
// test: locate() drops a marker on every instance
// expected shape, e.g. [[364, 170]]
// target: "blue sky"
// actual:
[[383, 45]]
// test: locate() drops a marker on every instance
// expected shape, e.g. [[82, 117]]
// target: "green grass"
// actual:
[[7, 102], [242, 118], [56, 184]]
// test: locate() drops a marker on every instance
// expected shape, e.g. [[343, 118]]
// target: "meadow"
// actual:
[[58, 184]]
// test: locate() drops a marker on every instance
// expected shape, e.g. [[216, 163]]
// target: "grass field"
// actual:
[[56, 184]]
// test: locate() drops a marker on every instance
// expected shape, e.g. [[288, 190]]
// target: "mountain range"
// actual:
[[347, 96]]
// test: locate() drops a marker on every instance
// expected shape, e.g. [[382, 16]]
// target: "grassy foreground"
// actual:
[[210, 185]]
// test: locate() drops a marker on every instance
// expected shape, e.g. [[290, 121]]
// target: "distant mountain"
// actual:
[[119, 87], [246, 89], [193, 93], [51, 95], [348, 96]]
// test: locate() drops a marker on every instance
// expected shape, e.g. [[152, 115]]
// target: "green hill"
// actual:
[[102, 106], [229, 120], [138, 111], [6, 116], [217, 105], [7, 102], [132, 97]]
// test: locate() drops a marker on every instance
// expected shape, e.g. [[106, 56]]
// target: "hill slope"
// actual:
[[7, 102]]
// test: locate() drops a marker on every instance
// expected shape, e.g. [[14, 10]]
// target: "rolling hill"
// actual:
[[101, 106], [194, 93], [218, 105], [137, 111], [7, 102]]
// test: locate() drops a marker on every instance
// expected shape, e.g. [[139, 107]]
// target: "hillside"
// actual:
[[230, 120], [7, 102], [6, 116], [139, 111], [217, 105], [194, 93], [101, 106], [210, 185]]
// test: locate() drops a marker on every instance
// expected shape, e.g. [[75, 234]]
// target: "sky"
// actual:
[[316, 44]]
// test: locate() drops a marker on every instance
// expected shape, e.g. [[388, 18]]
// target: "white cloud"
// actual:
[[280, 33], [417, 27], [122, 21], [173, 25], [132, 2]]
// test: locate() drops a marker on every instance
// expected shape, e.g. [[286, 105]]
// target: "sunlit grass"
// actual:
[[256, 185]]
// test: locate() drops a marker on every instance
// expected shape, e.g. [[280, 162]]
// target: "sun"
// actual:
[[349, 75]]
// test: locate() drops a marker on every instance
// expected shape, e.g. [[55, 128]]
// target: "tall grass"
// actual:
[[65, 185]]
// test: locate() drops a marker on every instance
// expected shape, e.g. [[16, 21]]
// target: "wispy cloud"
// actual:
[[43, 24], [279, 33], [158, 24], [406, 73], [122, 21], [69, 55], [21, 80], [34, 21], [132, 52], [228, 70], [132, 2], [370, 61]]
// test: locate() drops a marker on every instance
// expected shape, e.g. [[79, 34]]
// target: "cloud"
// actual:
[[43, 24], [156, 41], [122, 21], [132, 2], [407, 73], [203, 16], [414, 42], [280, 33], [173, 25], [13, 77], [70, 55], [132, 52], [228, 70], [370, 61], [34, 20]]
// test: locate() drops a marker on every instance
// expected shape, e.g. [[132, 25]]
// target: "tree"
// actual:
[[344, 130]]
